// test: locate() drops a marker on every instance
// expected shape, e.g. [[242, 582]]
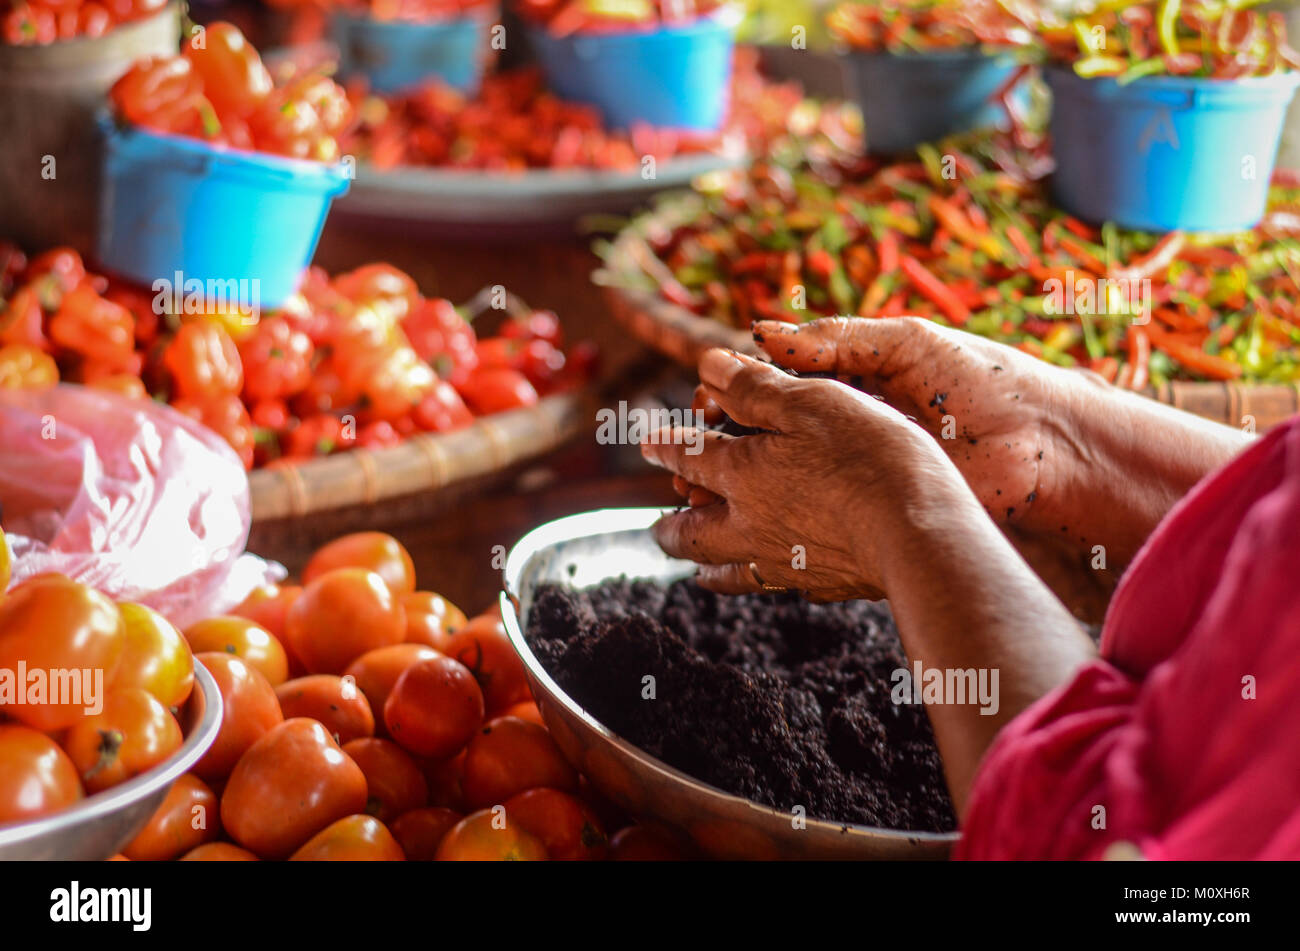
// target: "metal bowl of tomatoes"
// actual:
[[583, 550], [101, 825]]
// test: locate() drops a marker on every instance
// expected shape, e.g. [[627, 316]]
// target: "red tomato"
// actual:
[[218, 852], [289, 785], [375, 672], [249, 709], [338, 704], [483, 646], [420, 831], [188, 817], [487, 836], [373, 551], [133, 734], [351, 839], [36, 777], [442, 410], [566, 825], [394, 782], [431, 619], [155, 656], [241, 638], [232, 71], [341, 615], [510, 755], [494, 390], [434, 708], [51, 623]]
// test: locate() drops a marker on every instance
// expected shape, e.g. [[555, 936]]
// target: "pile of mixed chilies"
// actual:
[[964, 234]]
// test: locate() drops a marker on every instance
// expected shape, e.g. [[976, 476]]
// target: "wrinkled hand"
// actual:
[[812, 503]]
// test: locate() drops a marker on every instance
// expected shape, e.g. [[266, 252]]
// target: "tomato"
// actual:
[[276, 360], [94, 328], [203, 361], [232, 71], [267, 605], [442, 410], [163, 93], [496, 389], [394, 782], [338, 704], [434, 708], [55, 272], [226, 416], [123, 384], [420, 831], [510, 755], [53, 623], [526, 710], [36, 777], [289, 785], [538, 325], [641, 844], [341, 615], [380, 434], [380, 284], [22, 321], [374, 551], [431, 619], [249, 710], [155, 656], [24, 367], [242, 638], [351, 839], [375, 672], [483, 646], [488, 836], [132, 734], [188, 818], [566, 825], [218, 852]]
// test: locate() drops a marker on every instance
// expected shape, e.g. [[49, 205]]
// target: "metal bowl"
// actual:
[[103, 824], [583, 550]]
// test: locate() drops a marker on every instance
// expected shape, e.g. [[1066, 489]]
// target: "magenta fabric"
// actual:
[[1161, 731]]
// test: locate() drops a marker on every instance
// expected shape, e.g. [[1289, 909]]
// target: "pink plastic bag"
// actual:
[[127, 496]]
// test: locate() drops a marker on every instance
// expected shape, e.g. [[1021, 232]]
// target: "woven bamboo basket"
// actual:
[[330, 488], [684, 336]]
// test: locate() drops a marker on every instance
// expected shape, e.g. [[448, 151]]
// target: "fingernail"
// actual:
[[719, 367]]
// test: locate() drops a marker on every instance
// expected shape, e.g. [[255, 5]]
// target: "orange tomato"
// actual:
[[488, 836], [483, 647], [351, 839], [155, 656], [188, 818], [218, 852], [132, 734], [527, 710], [420, 831], [267, 606], [289, 785], [394, 783], [36, 777], [510, 755], [566, 825], [242, 638], [52, 623], [338, 704], [341, 615], [249, 709], [431, 619], [375, 551], [375, 672], [434, 708]]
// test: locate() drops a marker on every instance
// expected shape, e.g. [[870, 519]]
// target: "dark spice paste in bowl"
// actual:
[[767, 697]]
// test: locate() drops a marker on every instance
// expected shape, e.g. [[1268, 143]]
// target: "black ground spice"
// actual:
[[767, 697]]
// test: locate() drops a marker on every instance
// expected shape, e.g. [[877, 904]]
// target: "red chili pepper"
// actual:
[[934, 289]]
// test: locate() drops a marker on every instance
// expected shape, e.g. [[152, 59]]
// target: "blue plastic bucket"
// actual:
[[1166, 152], [675, 77], [398, 54], [910, 99], [171, 204]]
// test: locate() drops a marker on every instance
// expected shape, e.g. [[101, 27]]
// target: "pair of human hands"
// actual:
[[825, 498]]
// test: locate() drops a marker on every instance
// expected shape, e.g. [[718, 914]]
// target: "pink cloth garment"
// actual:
[[1160, 730]]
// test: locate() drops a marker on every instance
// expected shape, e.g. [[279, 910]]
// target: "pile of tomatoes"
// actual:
[[362, 359], [218, 90], [40, 22], [362, 719], [563, 17]]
